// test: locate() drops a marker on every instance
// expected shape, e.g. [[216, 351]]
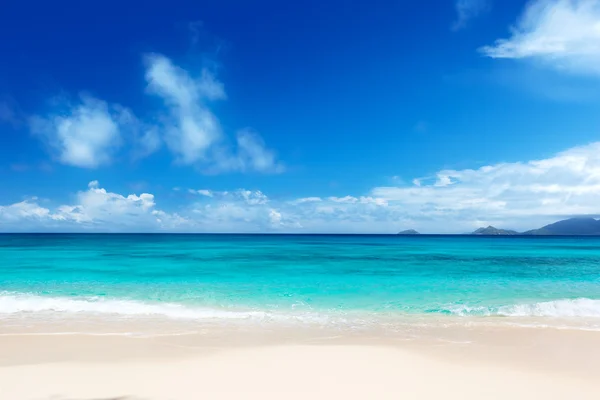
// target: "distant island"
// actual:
[[572, 226], [409, 232], [490, 230], [567, 227]]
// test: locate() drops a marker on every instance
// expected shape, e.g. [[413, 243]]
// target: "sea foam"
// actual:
[[20, 304], [565, 308], [26, 303]]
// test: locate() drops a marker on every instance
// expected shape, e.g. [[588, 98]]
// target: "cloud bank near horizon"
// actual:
[[517, 195]]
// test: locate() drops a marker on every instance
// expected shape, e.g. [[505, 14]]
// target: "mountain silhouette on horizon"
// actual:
[[568, 227], [571, 226]]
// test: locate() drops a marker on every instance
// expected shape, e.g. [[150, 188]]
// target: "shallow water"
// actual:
[[351, 281]]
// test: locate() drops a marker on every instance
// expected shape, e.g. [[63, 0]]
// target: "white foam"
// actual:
[[586, 308], [24, 303], [21, 304], [565, 308], [12, 304]]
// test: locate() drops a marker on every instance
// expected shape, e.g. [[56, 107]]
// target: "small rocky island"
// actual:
[[409, 232]]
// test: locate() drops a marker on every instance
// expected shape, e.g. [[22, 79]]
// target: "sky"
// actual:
[[298, 117]]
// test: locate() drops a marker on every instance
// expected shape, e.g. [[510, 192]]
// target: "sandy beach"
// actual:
[[499, 364]]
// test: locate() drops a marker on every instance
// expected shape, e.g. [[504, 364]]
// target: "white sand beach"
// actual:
[[524, 364]]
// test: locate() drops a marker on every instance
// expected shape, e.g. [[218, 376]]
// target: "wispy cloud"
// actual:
[[202, 192], [467, 10], [192, 131], [88, 132], [563, 34], [251, 155], [191, 128]]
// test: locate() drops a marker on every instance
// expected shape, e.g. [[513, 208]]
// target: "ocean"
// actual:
[[342, 280]]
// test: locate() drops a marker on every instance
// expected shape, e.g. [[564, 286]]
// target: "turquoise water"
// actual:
[[314, 276]]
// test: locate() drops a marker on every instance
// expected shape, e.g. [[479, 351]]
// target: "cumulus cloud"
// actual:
[[467, 10], [520, 194], [564, 34], [24, 210], [95, 209], [516, 195], [83, 134]]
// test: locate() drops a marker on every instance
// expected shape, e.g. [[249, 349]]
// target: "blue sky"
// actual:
[[268, 116]]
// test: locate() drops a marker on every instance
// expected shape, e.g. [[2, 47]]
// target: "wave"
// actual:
[[565, 308], [12, 304], [25, 303]]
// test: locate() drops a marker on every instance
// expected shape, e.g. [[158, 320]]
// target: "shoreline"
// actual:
[[521, 363]]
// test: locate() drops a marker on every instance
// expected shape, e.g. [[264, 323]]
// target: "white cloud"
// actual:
[[203, 192], [147, 141], [345, 199], [517, 195], [442, 180], [253, 155], [306, 200], [233, 215], [193, 132], [372, 200], [191, 128], [564, 34], [253, 197], [85, 134], [467, 10], [247, 196], [89, 132], [24, 210], [96, 209]]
